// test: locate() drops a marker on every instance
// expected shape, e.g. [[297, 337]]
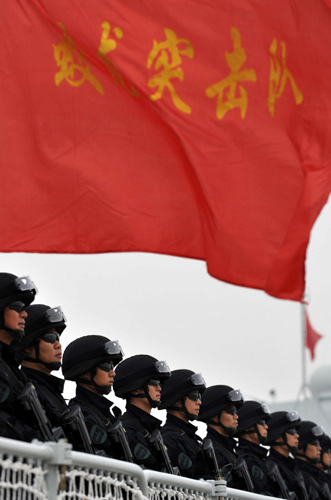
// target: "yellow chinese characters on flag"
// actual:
[[75, 69], [193, 129], [279, 74], [107, 45], [166, 56], [235, 61]]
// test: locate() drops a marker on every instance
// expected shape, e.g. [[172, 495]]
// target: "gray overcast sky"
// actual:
[[172, 309]]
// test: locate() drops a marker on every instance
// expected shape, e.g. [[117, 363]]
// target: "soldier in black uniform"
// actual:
[[43, 354], [219, 410], [325, 462], [252, 431], [308, 456], [90, 362], [283, 438], [138, 380], [15, 295], [181, 397]]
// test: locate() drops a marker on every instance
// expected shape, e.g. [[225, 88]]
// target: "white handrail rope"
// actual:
[[41, 471]]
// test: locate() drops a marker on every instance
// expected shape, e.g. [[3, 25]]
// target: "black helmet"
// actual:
[[309, 431], [181, 383], [215, 399], [134, 373], [14, 289], [40, 319], [83, 354], [279, 422], [218, 397], [250, 414]]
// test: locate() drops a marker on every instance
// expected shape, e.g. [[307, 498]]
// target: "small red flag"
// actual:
[[312, 337]]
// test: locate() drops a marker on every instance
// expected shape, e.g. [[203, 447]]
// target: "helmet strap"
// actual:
[[313, 461], [228, 430], [292, 449], [16, 334], [145, 394], [262, 439], [255, 430], [54, 365]]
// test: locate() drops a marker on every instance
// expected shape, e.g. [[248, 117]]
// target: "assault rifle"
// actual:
[[210, 459], [119, 442], [325, 491], [300, 483], [29, 399], [156, 442], [275, 476], [240, 468], [75, 423]]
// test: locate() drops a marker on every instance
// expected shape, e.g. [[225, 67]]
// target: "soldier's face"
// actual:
[[104, 378], [193, 406], [313, 451], [14, 319], [229, 417], [50, 352], [263, 430], [154, 391], [292, 439]]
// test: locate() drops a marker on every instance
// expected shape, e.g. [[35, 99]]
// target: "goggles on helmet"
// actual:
[[197, 379], [235, 395], [23, 284], [265, 409], [112, 347], [317, 431], [162, 367], [291, 416], [55, 315], [108, 349]]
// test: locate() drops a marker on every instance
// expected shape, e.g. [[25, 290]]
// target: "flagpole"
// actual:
[[303, 343]]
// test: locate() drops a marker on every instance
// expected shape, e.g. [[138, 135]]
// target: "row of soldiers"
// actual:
[[296, 463]]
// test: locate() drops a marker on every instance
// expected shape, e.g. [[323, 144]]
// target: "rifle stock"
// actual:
[[118, 439], [156, 442], [29, 399], [74, 419], [240, 468], [276, 477], [210, 458]]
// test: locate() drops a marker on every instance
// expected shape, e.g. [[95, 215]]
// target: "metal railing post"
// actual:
[[61, 458]]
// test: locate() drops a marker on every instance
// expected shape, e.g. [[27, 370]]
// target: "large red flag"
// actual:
[[196, 129], [312, 337]]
